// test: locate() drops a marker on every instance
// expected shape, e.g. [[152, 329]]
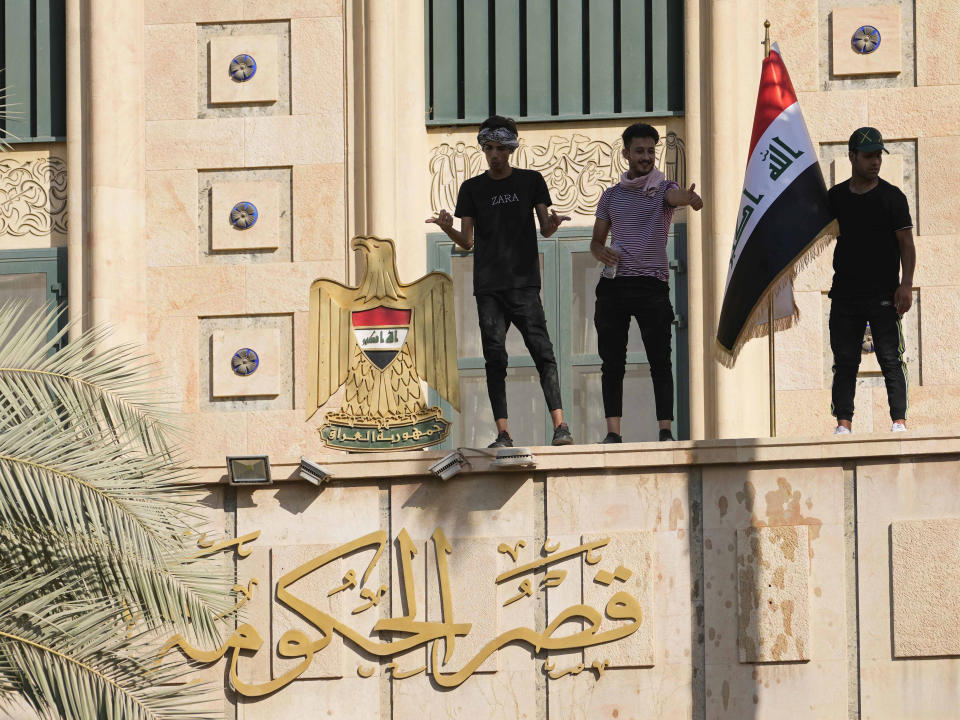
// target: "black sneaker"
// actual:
[[562, 436], [666, 434], [503, 440], [612, 437]]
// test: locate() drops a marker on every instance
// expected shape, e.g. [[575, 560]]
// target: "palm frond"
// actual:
[[184, 593], [91, 671], [115, 385]]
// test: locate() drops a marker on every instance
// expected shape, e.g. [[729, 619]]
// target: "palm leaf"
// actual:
[[184, 593], [73, 661], [115, 386]]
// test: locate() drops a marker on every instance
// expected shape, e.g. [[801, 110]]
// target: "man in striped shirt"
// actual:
[[634, 281]]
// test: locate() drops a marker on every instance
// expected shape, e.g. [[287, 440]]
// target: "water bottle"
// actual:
[[610, 271]]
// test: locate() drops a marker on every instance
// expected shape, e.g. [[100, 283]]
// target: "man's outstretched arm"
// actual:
[[462, 237], [549, 221], [678, 197]]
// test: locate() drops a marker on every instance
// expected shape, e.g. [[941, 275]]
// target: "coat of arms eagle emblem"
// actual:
[[379, 340]]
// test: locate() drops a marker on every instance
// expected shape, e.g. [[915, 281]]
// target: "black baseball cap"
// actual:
[[866, 139]]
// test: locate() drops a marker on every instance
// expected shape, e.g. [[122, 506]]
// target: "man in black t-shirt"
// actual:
[[496, 221], [875, 240]]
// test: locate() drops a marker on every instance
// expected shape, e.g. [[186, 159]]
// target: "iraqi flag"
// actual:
[[784, 217], [380, 333]]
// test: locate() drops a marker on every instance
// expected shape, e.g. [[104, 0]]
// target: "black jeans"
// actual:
[[848, 321], [648, 300], [520, 307]]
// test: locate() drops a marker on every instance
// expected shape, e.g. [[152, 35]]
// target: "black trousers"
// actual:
[[648, 300], [497, 312], [848, 321]]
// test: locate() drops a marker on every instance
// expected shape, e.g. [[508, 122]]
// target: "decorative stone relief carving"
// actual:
[[576, 168], [33, 196]]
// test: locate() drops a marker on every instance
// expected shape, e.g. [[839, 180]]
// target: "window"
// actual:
[[553, 59], [33, 70], [570, 275], [36, 277]]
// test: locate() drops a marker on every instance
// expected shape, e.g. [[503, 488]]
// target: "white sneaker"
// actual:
[[898, 427], [841, 430]]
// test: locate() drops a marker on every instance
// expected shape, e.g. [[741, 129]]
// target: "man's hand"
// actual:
[[607, 255], [903, 299], [443, 219], [552, 223], [679, 198]]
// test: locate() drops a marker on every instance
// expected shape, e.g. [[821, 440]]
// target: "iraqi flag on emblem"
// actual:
[[380, 333], [784, 217]]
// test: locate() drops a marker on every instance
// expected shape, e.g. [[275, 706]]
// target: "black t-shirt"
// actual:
[[866, 261], [505, 254]]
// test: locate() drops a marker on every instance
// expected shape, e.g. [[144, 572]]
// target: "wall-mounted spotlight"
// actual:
[[449, 465], [249, 469], [313, 473], [515, 457]]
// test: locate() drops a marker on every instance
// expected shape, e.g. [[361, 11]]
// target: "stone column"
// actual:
[[735, 401], [115, 153], [700, 349], [395, 138], [76, 185]]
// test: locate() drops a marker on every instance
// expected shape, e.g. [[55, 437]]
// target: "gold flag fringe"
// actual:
[[755, 326]]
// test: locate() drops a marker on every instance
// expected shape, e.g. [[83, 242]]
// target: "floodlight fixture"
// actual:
[[313, 473], [514, 457], [449, 465], [249, 469]]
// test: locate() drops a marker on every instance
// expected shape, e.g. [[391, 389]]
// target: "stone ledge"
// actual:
[[374, 467]]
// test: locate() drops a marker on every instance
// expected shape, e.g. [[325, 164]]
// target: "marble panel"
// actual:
[[466, 586], [299, 514], [938, 166], [773, 572], [886, 59], [294, 139], [254, 575], [617, 501], [265, 231], [313, 589], [285, 287], [624, 694], [264, 380], [269, 9], [171, 92], [506, 694], [627, 565], [346, 697], [261, 87], [316, 55], [319, 216], [911, 112], [173, 338], [811, 691], [172, 201], [191, 144], [799, 364], [937, 64], [926, 587]]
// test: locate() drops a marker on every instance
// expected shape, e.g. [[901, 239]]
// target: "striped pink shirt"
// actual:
[[639, 225]]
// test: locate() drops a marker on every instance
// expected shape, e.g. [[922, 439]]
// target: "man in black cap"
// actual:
[[875, 240]]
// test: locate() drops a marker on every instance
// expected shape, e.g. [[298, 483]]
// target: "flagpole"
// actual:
[[770, 315]]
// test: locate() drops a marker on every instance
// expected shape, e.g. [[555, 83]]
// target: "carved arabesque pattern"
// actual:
[[576, 168], [33, 196]]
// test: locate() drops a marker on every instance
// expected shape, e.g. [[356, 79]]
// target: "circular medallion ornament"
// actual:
[[866, 39], [244, 215], [245, 361], [243, 67]]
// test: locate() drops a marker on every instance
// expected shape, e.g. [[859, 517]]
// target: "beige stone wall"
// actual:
[[915, 108], [276, 141], [774, 578]]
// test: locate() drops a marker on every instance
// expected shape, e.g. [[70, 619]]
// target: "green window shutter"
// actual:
[[33, 63], [553, 59]]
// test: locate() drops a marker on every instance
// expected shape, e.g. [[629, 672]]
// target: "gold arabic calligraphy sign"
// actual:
[[407, 632]]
